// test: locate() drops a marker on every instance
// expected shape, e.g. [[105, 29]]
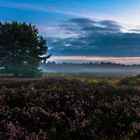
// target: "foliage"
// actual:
[[20, 49], [60, 109], [98, 82], [131, 81]]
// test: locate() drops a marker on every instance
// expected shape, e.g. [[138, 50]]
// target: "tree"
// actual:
[[21, 49]]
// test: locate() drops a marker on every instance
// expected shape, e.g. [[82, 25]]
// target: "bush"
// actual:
[[60, 109]]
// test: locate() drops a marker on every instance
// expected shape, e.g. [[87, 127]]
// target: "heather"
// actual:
[[69, 109]]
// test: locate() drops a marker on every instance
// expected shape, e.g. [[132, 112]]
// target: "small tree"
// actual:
[[21, 49]]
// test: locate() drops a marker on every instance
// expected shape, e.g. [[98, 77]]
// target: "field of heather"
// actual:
[[70, 109]]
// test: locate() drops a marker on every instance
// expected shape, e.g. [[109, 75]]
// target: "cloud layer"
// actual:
[[82, 36]]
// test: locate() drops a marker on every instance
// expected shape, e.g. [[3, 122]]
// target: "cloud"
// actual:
[[134, 30], [84, 35], [83, 22], [75, 12], [50, 9], [82, 25], [96, 38], [111, 24], [28, 6]]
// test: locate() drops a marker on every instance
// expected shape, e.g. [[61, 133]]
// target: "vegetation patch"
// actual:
[[59, 109]]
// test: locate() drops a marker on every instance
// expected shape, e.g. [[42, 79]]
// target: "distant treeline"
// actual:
[[92, 64]]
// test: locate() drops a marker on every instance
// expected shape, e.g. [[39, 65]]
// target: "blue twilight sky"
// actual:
[[81, 27]]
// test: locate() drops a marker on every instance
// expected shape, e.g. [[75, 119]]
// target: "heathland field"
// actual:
[[67, 107]]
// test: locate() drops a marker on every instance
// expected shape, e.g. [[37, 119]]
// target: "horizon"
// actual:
[[81, 59], [103, 28]]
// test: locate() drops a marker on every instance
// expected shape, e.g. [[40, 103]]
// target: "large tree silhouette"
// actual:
[[21, 49]]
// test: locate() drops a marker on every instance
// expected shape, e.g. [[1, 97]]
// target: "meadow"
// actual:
[[70, 107]]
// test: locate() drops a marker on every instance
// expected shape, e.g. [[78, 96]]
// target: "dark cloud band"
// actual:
[[102, 38]]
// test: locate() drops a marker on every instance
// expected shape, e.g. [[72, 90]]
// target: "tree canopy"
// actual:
[[21, 49]]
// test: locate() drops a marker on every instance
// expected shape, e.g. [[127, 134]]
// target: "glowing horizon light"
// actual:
[[123, 60]]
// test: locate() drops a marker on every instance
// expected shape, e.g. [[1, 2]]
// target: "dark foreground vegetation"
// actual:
[[60, 109]]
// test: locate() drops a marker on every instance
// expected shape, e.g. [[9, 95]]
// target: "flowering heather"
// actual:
[[60, 109]]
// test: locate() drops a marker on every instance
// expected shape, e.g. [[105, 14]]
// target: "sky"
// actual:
[[103, 28]]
